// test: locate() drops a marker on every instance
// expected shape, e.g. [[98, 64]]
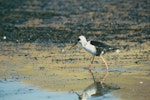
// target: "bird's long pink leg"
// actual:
[[91, 62], [106, 74]]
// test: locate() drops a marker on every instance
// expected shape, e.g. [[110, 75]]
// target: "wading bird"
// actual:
[[96, 49]]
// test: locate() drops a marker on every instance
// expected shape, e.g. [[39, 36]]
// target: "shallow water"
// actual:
[[117, 69], [13, 90], [18, 91]]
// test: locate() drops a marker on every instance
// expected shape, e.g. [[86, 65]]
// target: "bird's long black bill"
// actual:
[[73, 45]]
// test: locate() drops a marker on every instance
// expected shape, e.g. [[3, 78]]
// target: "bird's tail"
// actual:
[[113, 49]]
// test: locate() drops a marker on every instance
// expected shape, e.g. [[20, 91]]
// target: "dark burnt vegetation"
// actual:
[[62, 21]]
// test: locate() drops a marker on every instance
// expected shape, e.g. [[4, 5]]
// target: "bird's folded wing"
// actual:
[[100, 44]]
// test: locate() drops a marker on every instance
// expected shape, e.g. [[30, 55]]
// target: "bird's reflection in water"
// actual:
[[96, 89]]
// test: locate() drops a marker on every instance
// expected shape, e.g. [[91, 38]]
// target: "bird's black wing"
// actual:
[[102, 47], [100, 44]]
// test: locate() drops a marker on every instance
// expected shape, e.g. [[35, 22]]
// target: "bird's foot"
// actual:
[[102, 81]]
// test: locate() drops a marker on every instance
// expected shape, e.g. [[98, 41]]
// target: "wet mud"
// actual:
[[53, 70]]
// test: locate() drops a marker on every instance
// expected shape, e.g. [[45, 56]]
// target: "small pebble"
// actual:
[[117, 51], [4, 37], [62, 50], [141, 82]]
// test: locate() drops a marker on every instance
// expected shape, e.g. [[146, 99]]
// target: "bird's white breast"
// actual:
[[90, 48]]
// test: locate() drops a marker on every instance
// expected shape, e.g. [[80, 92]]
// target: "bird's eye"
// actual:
[[78, 39]]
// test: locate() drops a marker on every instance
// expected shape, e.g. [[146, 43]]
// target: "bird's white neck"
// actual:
[[83, 43]]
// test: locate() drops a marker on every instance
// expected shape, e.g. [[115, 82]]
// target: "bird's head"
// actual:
[[81, 39]]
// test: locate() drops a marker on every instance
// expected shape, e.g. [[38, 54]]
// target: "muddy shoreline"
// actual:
[[54, 70]]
